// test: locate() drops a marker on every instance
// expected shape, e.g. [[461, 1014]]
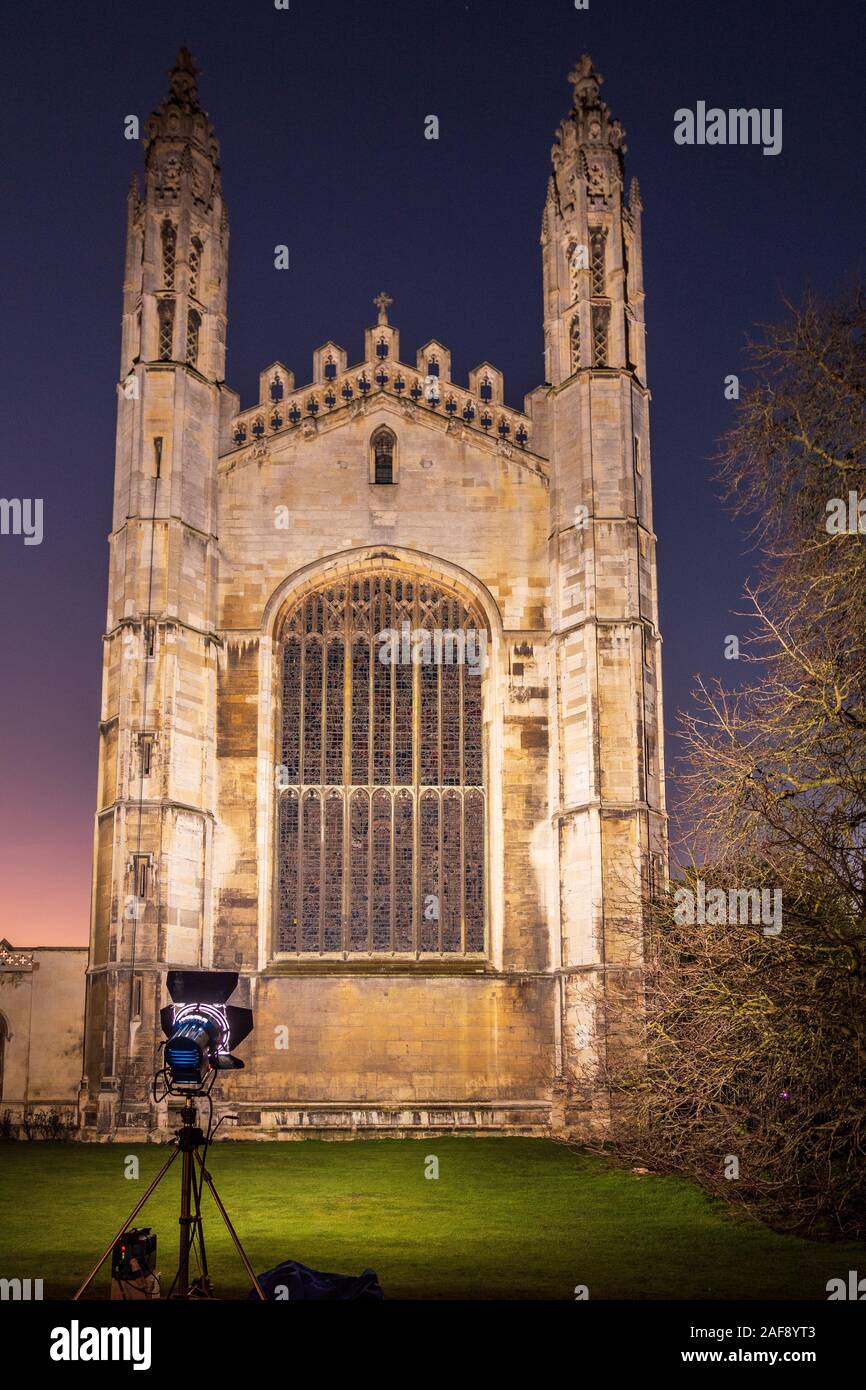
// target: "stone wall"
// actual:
[[41, 1032]]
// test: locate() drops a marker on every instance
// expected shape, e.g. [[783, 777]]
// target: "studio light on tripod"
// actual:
[[201, 1027]]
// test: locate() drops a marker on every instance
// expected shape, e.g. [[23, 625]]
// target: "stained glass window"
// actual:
[[381, 803]]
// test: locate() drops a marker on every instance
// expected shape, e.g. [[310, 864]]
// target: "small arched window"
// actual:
[[166, 329], [169, 254], [195, 251], [193, 325], [382, 444]]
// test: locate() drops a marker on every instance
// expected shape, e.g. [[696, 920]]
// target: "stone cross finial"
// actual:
[[382, 301]]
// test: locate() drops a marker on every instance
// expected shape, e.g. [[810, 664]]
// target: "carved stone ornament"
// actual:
[[14, 960]]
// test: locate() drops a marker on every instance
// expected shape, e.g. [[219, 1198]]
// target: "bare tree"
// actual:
[[756, 1041]]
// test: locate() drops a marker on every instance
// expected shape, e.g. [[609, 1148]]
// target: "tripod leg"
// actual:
[[198, 1231], [231, 1230], [132, 1215], [185, 1223]]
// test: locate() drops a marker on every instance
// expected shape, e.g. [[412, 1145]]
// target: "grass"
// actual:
[[507, 1218]]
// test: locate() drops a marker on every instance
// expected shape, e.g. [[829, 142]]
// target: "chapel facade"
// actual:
[[381, 721]]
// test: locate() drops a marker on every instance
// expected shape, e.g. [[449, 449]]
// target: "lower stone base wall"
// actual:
[[401, 1122], [348, 1122], [44, 1119]]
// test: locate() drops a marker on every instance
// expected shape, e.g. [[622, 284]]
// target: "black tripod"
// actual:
[[188, 1142]]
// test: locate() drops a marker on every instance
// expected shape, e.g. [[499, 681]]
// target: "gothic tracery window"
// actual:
[[382, 444], [600, 323], [169, 254], [381, 803], [166, 329], [193, 326], [597, 239], [195, 251]]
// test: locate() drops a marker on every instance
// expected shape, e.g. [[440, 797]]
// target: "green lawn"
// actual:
[[507, 1218]]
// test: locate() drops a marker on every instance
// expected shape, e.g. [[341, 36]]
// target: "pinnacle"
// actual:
[[184, 77]]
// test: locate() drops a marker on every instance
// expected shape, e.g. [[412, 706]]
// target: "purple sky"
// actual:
[[320, 113]]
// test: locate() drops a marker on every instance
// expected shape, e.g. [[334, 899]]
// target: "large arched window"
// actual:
[[381, 798]]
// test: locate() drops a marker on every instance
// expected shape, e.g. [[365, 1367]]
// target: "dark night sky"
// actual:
[[320, 113]]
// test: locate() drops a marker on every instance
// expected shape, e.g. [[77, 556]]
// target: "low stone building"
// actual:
[[41, 1037], [381, 718]]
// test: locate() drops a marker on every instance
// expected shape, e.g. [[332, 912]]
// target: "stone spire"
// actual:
[[184, 80], [593, 290], [179, 118], [590, 115]]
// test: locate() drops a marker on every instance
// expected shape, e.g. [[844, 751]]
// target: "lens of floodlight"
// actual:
[[189, 1047]]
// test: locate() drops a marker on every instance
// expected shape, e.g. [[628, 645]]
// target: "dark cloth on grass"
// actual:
[[302, 1282]]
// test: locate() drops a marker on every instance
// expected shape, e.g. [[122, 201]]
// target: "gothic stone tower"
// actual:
[[381, 722]]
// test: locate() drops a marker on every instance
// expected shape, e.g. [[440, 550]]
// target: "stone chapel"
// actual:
[[381, 722]]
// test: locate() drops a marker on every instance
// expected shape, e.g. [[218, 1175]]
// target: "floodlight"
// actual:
[[201, 1028]]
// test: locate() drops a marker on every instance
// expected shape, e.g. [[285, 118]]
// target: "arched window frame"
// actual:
[[447, 798], [382, 434]]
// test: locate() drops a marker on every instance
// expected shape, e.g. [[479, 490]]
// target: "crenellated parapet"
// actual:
[[337, 389]]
